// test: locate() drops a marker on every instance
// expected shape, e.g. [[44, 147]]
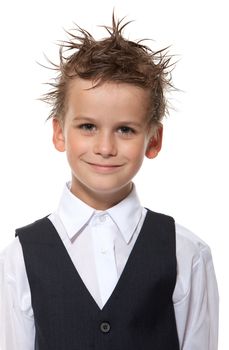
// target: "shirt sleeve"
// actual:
[[17, 331], [197, 312]]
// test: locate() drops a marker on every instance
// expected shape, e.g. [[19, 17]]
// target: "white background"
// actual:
[[188, 180]]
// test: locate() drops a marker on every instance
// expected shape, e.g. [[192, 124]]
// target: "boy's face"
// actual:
[[105, 135]]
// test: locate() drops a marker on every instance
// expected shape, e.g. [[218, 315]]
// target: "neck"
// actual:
[[101, 201]]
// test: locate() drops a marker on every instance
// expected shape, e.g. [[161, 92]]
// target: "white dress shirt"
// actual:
[[100, 260]]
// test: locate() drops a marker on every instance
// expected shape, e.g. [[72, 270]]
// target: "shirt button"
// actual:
[[105, 327], [102, 218]]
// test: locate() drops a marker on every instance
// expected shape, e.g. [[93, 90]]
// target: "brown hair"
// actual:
[[113, 59]]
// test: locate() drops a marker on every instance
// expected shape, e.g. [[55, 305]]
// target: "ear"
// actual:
[[58, 135], [155, 142]]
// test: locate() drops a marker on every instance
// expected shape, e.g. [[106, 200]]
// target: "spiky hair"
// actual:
[[113, 59]]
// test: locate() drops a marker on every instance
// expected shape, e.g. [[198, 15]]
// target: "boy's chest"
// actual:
[[141, 297], [93, 256], [99, 255]]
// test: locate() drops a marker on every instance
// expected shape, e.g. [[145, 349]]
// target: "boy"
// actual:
[[103, 272]]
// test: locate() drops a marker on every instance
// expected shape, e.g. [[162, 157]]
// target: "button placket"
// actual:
[[106, 270]]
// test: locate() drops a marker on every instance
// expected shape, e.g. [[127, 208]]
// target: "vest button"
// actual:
[[105, 327]]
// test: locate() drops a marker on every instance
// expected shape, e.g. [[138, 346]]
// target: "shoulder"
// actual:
[[12, 269], [41, 231], [189, 245], [34, 227], [194, 259], [13, 279], [11, 258]]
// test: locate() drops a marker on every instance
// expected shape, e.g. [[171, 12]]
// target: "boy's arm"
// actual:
[[197, 312], [16, 320]]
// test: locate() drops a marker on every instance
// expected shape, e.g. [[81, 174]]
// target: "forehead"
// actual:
[[108, 98]]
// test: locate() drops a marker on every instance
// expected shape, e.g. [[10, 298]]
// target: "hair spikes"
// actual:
[[114, 59]]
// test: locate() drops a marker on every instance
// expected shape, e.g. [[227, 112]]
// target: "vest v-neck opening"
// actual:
[[122, 276]]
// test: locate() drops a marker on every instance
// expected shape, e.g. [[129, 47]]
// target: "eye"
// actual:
[[126, 130], [87, 127]]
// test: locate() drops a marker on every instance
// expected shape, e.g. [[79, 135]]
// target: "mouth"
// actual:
[[104, 167]]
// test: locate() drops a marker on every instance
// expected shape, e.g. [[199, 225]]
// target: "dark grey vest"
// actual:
[[139, 315]]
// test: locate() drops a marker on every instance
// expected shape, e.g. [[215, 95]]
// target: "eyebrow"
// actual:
[[84, 118], [92, 120]]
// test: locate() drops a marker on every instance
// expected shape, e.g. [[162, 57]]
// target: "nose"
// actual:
[[105, 145]]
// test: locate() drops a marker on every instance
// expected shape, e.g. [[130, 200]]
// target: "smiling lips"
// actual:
[[104, 167]]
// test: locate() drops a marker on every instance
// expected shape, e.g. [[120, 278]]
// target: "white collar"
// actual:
[[75, 214]]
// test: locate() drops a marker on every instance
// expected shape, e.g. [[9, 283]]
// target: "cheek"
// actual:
[[75, 145], [135, 151]]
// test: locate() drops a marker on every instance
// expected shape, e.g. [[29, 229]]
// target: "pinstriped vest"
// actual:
[[139, 315]]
